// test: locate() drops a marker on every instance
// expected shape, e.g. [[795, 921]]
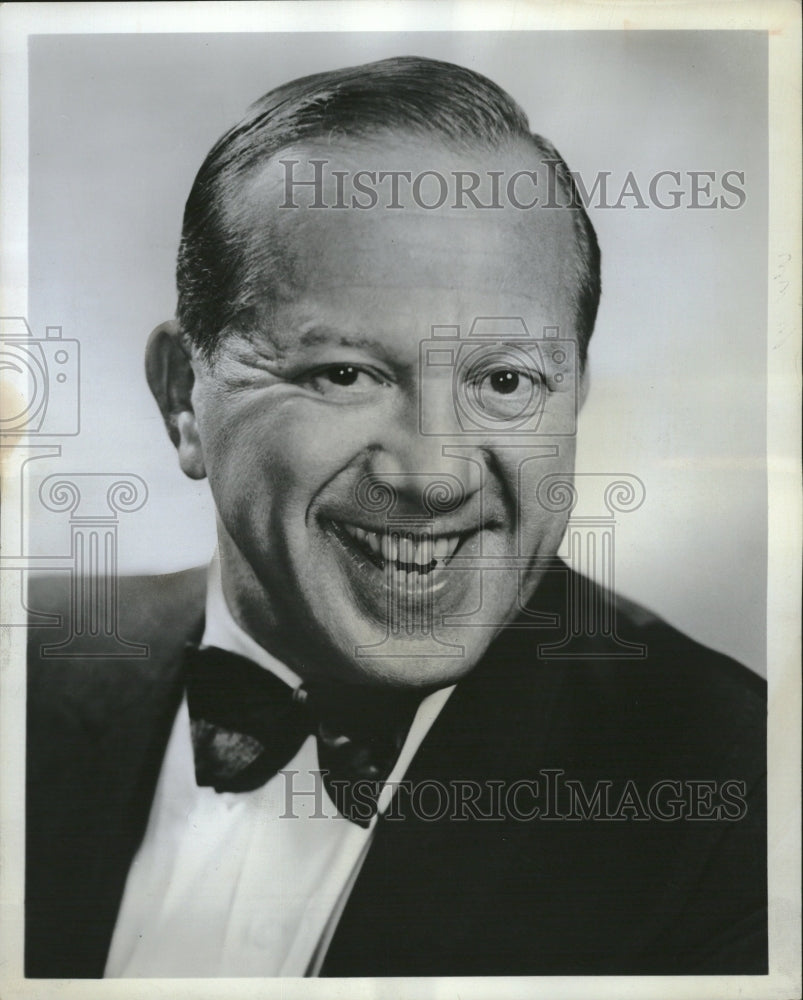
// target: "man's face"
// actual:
[[324, 434]]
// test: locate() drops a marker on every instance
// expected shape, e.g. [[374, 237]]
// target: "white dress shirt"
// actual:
[[243, 883]]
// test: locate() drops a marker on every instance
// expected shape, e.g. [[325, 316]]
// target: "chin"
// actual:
[[401, 652], [409, 669]]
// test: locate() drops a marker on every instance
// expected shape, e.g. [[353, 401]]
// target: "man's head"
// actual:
[[377, 509]]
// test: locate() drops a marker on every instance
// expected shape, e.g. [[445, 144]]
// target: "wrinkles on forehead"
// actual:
[[287, 253]]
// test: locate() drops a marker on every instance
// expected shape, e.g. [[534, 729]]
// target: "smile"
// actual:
[[405, 550]]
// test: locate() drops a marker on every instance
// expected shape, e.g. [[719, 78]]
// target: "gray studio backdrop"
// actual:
[[119, 125]]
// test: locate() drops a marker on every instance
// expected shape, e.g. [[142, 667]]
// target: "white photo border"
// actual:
[[781, 21]]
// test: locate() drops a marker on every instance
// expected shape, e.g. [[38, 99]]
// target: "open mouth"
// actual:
[[405, 578], [414, 552]]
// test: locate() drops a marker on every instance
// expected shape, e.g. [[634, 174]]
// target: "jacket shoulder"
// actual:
[[624, 683], [145, 603], [78, 668], [624, 635], [704, 672]]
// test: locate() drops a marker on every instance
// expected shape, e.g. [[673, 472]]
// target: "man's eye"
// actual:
[[507, 393], [342, 375], [504, 382], [343, 381]]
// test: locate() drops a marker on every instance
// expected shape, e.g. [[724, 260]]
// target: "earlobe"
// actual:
[[168, 367], [190, 452]]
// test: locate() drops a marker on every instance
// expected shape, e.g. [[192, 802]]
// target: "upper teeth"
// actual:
[[403, 547]]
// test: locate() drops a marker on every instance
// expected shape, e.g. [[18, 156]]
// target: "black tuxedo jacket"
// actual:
[[624, 884]]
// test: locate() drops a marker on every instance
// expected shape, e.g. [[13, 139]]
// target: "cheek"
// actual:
[[543, 488], [266, 452]]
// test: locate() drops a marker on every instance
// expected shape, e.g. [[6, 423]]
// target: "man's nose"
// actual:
[[425, 470]]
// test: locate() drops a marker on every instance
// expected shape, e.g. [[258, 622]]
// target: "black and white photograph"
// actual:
[[401, 498]]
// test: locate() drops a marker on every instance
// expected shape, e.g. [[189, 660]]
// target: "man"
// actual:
[[354, 749]]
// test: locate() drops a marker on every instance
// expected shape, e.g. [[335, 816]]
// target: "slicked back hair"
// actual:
[[419, 97]]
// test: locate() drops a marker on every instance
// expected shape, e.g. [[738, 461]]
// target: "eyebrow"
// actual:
[[327, 335]]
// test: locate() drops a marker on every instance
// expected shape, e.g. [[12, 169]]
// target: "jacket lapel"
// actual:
[[429, 887]]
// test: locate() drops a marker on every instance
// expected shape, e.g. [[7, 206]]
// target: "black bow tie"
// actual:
[[247, 724]]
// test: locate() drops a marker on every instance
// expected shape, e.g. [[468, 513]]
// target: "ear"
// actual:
[[585, 385], [168, 367]]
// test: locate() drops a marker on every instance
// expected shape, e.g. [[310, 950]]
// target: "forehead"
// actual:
[[399, 253]]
